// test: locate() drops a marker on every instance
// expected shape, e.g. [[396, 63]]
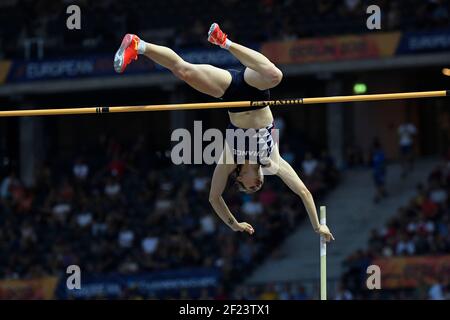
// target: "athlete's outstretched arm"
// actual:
[[292, 180], [218, 183]]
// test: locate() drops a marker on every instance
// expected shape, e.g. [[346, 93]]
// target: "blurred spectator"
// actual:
[[299, 293], [84, 219], [328, 167], [313, 174], [208, 224], [112, 187], [267, 197], [309, 165], [394, 15], [354, 157], [438, 195], [205, 295], [436, 291], [406, 133], [200, 184], [343, 293], [269, 293], [149, 244], [8, 184], [252, 207], [220, 294], [284, 291], [379, 170], [280, 125], [80, 169], [126, 238], [287, 154], [405, 246]]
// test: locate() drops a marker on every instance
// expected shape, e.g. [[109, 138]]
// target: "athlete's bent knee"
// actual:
[[183, 71], [275, 76]]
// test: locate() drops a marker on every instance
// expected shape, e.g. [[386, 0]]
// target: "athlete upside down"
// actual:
[[245, 164]]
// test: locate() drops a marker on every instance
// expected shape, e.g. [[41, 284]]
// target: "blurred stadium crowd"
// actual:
[[119, 207], [185, 23], [98, 212], [421, 227]]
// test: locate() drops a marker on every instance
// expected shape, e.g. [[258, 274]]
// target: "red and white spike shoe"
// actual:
[[217, 36], [126, 53]]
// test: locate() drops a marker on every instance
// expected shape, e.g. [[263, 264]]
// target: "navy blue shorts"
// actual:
[[239, 90]]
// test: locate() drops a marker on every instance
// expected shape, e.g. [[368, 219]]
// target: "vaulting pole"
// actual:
[[323, 256]]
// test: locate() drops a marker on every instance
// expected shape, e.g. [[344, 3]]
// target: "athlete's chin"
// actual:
[[253, 189]]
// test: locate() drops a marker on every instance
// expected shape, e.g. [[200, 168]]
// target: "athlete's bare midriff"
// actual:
[[254, 119]]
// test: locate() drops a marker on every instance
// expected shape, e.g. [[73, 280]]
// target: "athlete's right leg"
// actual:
[[202, 77]]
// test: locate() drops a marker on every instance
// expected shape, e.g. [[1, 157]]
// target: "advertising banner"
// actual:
[[355, 47], [409, 272], [36, 289], [156, 284], [101, 66], [424, 42], [376, 45]]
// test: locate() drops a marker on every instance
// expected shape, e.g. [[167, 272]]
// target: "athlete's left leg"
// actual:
[[205, 78], [260, 73]]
